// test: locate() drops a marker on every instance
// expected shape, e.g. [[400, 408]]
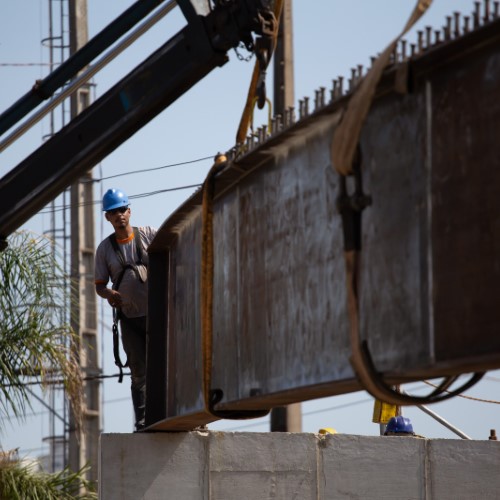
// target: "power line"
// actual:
[[151, 169], [141, 195], [132, 197], [60, 381], [471, 398], [23, 64], [44, 412]]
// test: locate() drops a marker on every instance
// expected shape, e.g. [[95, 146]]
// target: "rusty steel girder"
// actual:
[[430, 262]]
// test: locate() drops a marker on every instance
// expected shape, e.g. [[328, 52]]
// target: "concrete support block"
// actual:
[[153, 466], [260, 466], [371, 467], [265, 466], [470, 469]]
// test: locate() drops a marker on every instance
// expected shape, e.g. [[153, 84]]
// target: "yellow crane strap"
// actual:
[[269, 113], [212, 396], [207, 271], [346, 135], [248, 109]]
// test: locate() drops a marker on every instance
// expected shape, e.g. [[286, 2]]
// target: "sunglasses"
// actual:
[[121, 210]]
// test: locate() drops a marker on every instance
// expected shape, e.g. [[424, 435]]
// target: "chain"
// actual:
[[240, 56]]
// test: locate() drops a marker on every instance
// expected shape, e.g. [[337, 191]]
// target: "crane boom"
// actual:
[[129, 105]]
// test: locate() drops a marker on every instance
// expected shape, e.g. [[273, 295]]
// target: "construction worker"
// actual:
[[122, 258]]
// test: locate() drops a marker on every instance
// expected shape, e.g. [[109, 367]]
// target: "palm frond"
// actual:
[[35, 337], [20, 481]]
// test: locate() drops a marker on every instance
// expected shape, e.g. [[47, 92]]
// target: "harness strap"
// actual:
[[121, 259], [116, 347], [116, 285]]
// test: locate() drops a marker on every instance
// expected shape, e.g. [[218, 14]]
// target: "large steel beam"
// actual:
[[430, 266]]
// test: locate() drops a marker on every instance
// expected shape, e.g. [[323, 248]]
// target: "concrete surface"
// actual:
[[264, 466]]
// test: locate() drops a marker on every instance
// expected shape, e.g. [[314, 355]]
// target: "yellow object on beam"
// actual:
[[327, 430], [383, 412]]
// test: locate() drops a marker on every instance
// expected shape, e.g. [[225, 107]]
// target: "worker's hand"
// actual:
[[115, 299]]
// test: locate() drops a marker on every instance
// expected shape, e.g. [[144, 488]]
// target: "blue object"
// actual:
[[399, 425], [114, 198]]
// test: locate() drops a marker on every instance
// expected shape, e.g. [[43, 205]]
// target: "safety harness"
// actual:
[[116, 284]]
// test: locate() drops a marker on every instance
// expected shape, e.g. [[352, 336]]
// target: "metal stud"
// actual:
[[333, 91], [403, 50], [477, 14], [279, 123], [420, 41], [456, 31], [264, 133], [486, 17], [258, 135], [352, 80], [273, 125], [301, 109], [322, 96], [466, 24], [428, 41], [448, 28]]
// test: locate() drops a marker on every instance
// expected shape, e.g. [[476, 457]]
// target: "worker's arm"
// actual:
[[112, 296]]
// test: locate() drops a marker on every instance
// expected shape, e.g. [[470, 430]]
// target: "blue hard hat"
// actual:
[[399, 425], [114, 198]]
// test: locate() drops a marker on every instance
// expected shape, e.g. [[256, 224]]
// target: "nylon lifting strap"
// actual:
[[346, 137], [345, 145], [350, 208], [256, 75], [212, 396], [116, 285]]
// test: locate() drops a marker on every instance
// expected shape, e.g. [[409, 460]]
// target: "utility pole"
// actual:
[[289, 418], [83, 444]]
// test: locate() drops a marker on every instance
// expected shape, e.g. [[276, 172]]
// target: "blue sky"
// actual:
[[330, 37]]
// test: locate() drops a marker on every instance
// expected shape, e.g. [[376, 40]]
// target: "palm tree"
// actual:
[[35, 341]]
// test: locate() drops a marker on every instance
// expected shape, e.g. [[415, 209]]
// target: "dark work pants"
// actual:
[[134, 344]]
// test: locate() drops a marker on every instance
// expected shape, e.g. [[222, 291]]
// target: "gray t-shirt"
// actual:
[[107, 266]]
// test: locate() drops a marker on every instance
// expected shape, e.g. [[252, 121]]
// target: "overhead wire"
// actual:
[[61, 381], [472, 398], [132, 197], [45, 412], [140, 195], [151, 169]]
